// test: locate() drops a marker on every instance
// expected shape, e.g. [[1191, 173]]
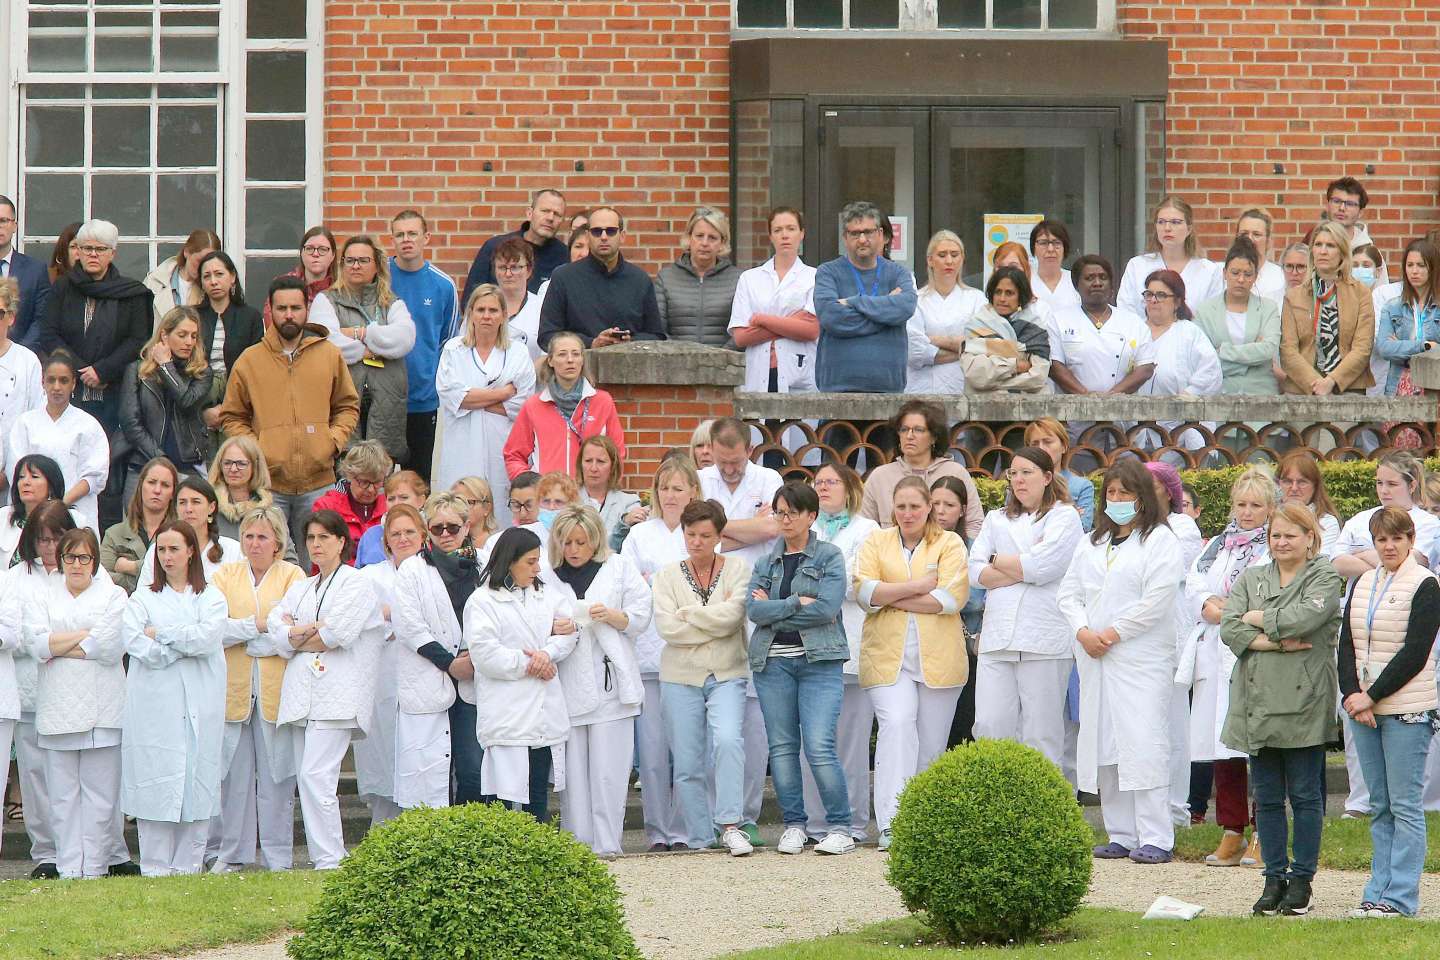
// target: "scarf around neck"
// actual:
[[458, 571], [567, 400], [112, 286], [831, 524], [1246, 546]]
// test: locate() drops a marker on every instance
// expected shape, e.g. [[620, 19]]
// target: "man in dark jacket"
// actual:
[[29, 273], [602, 298], [545, 216]]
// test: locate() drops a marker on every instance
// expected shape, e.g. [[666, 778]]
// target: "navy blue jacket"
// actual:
[[34, 281], [549, 255], [586, 299]]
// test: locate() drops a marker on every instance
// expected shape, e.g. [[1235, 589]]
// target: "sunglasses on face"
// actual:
[[604, 231], [444, 529]]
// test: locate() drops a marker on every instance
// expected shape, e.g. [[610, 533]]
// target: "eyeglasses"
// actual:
[[510, 268], [785, 516], [1150, 296], [478, 501], [904, 431], [358, 261], [234, 464], [862, 234], [43, 539], [368, 484], [408, 235], [1293, 267], [827, 482], [517, 505], [444, 529], [93, 251], [6, 221], [1345, 204], [315, 251], [1050, 242], [1172, 224], [604, 231], [72, 559]]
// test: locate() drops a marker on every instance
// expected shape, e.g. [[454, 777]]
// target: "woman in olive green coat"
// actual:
[[1281, 622]]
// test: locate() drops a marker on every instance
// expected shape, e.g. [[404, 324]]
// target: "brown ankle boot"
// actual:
[[1252, 853], [1228, 854]]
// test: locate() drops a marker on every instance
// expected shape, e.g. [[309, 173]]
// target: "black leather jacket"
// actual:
[[166, 400]]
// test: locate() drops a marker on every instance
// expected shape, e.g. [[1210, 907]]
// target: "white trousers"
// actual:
[[1023, 700], [167, 849], [253, 804], [422, 762], [852, 745], [84, 793], [1359, 798], [1072, 747], [757, 758], [1134, 818], [319, 778], [914, 727], [663, 823], [598, 758], [1180, 756], [39, 821], [7, 736]]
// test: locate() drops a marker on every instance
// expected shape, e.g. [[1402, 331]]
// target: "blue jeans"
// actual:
[[465, 752], [1296, 774], [1392, 755], [719, 707], [801, 703], [541, 761]]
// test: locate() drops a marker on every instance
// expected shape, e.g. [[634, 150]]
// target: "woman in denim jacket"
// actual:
[[1410, 324], [797, 652]]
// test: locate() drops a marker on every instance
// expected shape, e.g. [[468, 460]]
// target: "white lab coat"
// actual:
[[649, 547], [943, 316], [1204, 658], [761, 290], [755, 489], [77, 696], [1185, 363], [174, 705], [525, 325], [1063, 297], [10, 534], [618, 585], [21, 390], [1125, 695], [13, 648], [472, 442], [1101, 358], [1025, 618], [1203, 280], [375, 754], [512, 709], [75, 441], [422, 613], [848, 542]]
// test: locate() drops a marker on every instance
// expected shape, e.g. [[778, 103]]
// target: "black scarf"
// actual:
[[459, 572], [578, 578]]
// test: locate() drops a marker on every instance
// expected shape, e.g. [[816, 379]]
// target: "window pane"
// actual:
[[1072, 14], [55, 136], [1017, 14], [275, 83], [187, 137], [120, 91], [133, 259], [124, 200], [55, 91], [120, 136], [259, 271], [818, 13], [274, 218], [276, 18], [122, 41], [184, 202], [874, 14], [964, 13], [187, 91], [760, 13], [52, 201], [57, 41], [189, 41], [275, 149]]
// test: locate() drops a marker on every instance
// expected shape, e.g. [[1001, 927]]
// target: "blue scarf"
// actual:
[[832, 523], [567, 400]]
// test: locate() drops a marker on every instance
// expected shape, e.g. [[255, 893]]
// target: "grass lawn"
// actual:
[[1345, 844], [1106, 934], [139, 916]]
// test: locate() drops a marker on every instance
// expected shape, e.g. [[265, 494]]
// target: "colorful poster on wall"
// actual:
[[900, 245], [1003, 228]]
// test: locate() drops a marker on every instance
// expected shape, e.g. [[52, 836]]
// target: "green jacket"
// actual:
[[121, 540], [1282, 699], [1244, 366]]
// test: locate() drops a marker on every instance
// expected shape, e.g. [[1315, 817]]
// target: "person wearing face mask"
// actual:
[[360, 496], [1410, 324], [554, 493], [942, 309], [552, 424], [1004, 346], [164, 395], [696, 292]]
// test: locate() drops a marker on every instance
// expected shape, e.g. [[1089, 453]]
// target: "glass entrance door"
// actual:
[[880, 155]]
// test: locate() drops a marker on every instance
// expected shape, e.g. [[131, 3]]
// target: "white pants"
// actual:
[[319, 778], [39, 821], [1359, 798], [598, 758], [169, 848], [7, 736], [84, 792], [663, 823], [852, 745], [253, 803], [757, 759], [1180, 756], [914, 727], [1023, 700], [1134, 818], [422, 761], [1072, 747]]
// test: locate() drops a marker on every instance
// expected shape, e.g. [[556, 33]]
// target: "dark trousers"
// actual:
[[110, 505], [962, 728], [465, 752], [539, 805], [1202, 778], [420, 438], [1297, 775], [1232, 799]]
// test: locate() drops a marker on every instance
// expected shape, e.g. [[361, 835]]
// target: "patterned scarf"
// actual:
[[1327, 327], [1245, 547]]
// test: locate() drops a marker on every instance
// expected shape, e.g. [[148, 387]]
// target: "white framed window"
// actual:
[[166, 116], [997, 17]]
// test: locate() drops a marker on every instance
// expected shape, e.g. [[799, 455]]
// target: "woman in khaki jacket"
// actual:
[[1387, 679], [1327, 324], [911, 580]]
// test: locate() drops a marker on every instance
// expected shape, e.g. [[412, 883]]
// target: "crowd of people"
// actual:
[[198, 621]]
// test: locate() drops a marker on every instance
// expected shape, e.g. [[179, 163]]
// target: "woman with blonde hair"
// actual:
[[910, 579], [1050, 435], [175, 281], [374, 331], [700, 445], [553, 423], [164, 395], [480, 501], [403, 486], [1327, 324], [1172, 246], [943, 307], [483, 380], [241, 478], [695, 293]]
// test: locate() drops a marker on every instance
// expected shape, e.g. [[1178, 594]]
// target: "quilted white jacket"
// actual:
[[618, 585], [513, 709], [423, 614], [74, 696]]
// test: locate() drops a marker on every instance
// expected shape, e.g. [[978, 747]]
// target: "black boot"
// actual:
[[1297, 899], [1269, 903]]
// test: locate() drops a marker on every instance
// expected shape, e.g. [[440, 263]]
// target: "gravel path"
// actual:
[[770, 898]]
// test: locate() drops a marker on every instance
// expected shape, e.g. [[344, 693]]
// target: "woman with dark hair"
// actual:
[[175, 281], [1005, 346], [174, 723], [1242, 326], [947, 509], [1025, 655], [163, 395], [516, 634], [68, 435], [330, 628], [319, 265], [65, 252], [127, 543], [1118, 598], [1185, 362], [1300, 479], [1050, 246], [1172, 246], [197, 505], [228, 325], [1410, 324], [924, 453], [36, 478]]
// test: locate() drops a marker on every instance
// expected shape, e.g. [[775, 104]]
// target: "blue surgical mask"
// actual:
[[1365, 275], [1122, 511], [547, 517]]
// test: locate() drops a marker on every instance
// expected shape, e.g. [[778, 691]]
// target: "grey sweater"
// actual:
[[693, 307]]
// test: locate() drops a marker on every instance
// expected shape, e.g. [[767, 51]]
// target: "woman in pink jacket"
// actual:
[[554, 422]]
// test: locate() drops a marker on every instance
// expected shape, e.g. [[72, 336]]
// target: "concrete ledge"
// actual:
[[670, 362], [1000, 408]]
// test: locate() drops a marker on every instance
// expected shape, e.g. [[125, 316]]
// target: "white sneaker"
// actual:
[[792, 841], [836, 842], [884, 843], [736, 842]]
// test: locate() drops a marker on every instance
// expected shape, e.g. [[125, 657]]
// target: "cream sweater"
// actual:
[[701, 639]]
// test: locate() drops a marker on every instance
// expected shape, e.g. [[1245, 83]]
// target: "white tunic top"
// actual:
[[20, 392], [1270, 283], [1024, 618], [848, 541], [761, 290], [78, 696], [1203, 280], [229, 553], [1185, 363], [1100, 357], [75, 441], [649, 547], [525, 325], [943, 316], [756, 489]]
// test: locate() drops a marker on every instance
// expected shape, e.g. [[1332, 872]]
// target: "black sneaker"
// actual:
[[46, 871], [1269, 903], [127, 869], [1296, 902]]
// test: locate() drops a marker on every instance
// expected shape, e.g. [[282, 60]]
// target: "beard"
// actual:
[[289, 330]]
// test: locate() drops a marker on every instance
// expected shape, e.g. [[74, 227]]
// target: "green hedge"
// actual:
[[1350, 483]]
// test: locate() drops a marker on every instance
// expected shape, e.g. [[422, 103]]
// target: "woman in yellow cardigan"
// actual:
[[910, 580]]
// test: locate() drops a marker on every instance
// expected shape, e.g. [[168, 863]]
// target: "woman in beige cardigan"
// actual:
[[1327, 324], [911, 580]]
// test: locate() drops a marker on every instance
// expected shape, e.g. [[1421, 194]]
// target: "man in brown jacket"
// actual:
[[293, 393]]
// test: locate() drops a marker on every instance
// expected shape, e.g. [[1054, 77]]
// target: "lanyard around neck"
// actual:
[[874, 290]]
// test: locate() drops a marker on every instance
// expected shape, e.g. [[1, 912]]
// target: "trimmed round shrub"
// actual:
[[990, 845], [467, 882]]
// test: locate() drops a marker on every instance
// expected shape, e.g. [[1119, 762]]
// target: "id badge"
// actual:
[[373, 361], [317, 665]]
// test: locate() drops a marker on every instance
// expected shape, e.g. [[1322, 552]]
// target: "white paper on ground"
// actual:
[[1169, 908]]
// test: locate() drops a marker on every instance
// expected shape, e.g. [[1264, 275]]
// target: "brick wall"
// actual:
[[421, 96], [1322, 88], [658, 417]]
